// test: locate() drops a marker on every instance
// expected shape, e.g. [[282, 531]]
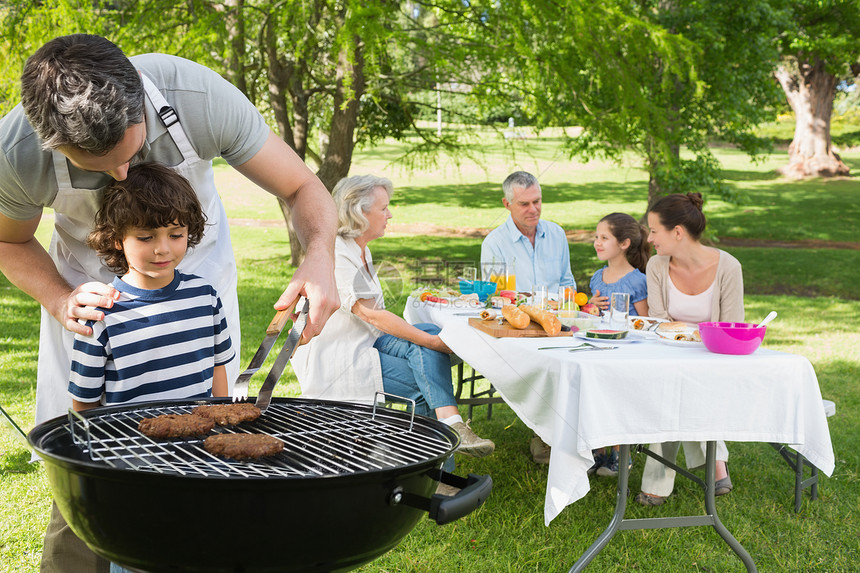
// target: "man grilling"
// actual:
[[89, 113]]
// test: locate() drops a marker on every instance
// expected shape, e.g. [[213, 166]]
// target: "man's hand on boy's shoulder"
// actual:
[[86, 302]]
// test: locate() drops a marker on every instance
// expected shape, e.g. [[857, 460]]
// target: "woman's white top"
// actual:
[[693, 308], [341, 362]]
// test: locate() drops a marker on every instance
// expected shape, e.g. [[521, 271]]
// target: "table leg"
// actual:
[[619, 523], [617, 517], [711, 509]]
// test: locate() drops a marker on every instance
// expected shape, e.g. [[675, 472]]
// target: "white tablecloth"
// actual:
[[643, 392]]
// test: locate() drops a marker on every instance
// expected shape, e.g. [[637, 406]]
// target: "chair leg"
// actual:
[[813, 489], [796, 462], [798, 482], [474, 397]]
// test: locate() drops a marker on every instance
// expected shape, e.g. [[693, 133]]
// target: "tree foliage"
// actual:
[[26, 25], [660, 77], [654, 76]]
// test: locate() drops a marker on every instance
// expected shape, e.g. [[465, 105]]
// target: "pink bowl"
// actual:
[[731, 337]]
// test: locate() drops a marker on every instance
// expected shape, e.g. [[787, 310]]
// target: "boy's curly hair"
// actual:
[[151, 196]]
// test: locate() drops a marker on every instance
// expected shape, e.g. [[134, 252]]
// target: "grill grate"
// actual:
[[319, 440]]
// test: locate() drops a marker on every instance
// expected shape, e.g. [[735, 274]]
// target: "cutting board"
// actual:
[[504, 330]]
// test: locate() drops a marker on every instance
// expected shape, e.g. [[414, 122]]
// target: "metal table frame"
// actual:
[[618, 522]]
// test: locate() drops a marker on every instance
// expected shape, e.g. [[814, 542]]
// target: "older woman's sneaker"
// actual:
[[470, 443]]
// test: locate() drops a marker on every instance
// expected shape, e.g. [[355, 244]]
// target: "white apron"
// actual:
[[75, 211]]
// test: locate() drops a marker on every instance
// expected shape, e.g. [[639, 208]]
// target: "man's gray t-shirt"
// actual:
[[218, 119]]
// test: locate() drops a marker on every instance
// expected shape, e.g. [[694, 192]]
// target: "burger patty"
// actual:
[[175, 426], [243, 446], [228, 414]]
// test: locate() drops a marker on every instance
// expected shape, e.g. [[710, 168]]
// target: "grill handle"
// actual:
[[376, 401], [474, 491], [86, 424]]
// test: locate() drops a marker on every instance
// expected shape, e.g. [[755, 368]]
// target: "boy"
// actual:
[[166, 337]]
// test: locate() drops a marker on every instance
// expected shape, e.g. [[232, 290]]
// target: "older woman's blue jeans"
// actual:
[[415, 372]]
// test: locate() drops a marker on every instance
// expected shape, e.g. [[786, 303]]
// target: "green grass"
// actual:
[[577, 195], [814, 290]]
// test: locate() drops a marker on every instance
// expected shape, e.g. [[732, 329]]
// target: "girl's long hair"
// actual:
[[623, 227]]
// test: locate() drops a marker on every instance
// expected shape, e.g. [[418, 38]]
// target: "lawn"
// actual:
[[814, 290]]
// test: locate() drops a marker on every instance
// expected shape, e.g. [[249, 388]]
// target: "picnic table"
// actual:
[[658, 392]]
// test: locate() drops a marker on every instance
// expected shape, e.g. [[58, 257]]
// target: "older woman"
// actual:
[[365, 348]]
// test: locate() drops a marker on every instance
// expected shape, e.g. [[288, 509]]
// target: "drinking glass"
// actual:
[[540, 298], [470, 273], [566, 303], [619, 310], [511, 274], [495, 273]]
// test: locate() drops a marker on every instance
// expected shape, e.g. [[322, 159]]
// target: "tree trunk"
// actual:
[[657, 157], [235, 24], [809, 89], [338, 156], [281, 75], [654, 191]]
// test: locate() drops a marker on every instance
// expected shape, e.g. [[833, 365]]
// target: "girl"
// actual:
[[623, 243], [688, 282]]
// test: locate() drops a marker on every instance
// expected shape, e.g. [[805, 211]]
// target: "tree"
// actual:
[[657, 77], [336, 72], [819, 49], [24, 27], [308, 65]]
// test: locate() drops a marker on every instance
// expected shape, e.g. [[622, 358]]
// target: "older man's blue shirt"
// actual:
[[545, 264]]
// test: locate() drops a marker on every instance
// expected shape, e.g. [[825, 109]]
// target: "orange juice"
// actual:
[[512, 282]]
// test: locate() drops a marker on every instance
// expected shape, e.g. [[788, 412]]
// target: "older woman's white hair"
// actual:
[[354, 197]]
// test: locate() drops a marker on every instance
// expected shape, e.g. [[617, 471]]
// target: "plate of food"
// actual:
[[611, 336], [680, 334], [447, 298]]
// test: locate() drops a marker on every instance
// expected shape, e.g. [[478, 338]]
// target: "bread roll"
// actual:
[[515, 317], [550, 322], [672, 327]]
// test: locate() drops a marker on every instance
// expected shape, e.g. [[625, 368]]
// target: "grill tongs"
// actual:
[[264, 396]]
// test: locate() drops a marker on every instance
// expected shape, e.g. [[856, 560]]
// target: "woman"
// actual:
[[687, 282], [364, 348]]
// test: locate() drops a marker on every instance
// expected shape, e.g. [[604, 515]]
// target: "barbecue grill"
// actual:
[[351, 481]]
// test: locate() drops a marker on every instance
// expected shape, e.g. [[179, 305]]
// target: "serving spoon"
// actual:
[[768, 318]]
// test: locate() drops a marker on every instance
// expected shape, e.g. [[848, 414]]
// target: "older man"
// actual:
[[537, 249]]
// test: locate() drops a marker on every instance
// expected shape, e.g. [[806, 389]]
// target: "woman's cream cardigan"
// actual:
[[728, 301]]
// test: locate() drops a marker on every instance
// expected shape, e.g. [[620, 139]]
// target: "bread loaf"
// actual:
[[515, 317], [550, 322]]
